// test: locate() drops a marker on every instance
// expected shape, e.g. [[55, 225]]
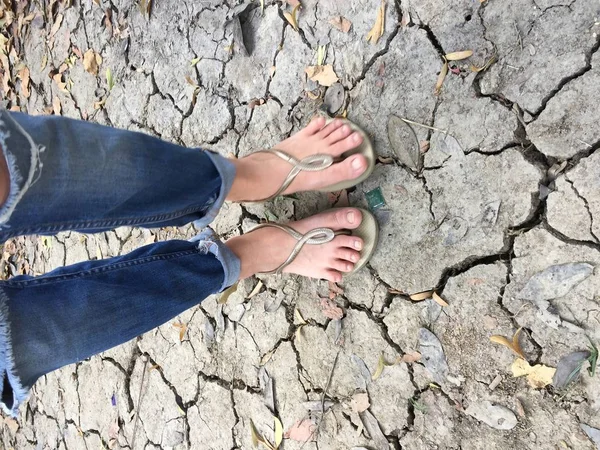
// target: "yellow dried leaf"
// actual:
[[278, 432], [419, 296], [486, 66], [91, 61], [109, 79], [44, 62], [341, 23], [226, 293], [513, 345], [379, 27], [56, 107], [380, 365], [292, 17], [182, 329], [321, 54], [256, 289], [298, 317], [256, 438], [324, 75], [56, 26], [439, 299], [441, 78], [457, 56], [195, 61], [538, 376]]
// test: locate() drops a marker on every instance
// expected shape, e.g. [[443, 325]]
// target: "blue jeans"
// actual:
[[73, 175]]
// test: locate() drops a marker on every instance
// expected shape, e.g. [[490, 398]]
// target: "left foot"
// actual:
[[260, 175]]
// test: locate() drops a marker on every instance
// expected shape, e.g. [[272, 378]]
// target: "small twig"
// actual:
[[323, 400], [520, 39], [424, 126], [584, 143], [139, 402]]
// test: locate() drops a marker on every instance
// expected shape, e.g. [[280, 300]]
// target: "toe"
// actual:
[[348, 169], [342, 132], [342, 266], [347, 255], [345, 218], [332, 275], [330, 128], [348, 143], [348, 242], [314, 126]]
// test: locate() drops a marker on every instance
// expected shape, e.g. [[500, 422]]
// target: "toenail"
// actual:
[[357, 164], [353, 258], [355, 137], [345, 128], [350, 216], [348, 267], [357, 245]]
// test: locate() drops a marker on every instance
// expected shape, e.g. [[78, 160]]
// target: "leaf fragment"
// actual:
[[441, 78], [321, 54], [457, 56], [278, 432], [195, 61], [56, 25], [256, 289], [56, 107], [298, 317], [420, 296], [341, 23], [360, 402], [380, 366], [226, 293], [324, 75], [330, 309], [110, 82], [292, 17], [182, 329], [486, 66], [91, 61], [301, 431], [23, 75], [513, 345], [410, 357], [538, 376], [439, 299], [379, 27]]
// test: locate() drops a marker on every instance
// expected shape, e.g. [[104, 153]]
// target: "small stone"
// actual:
[[433, 357]]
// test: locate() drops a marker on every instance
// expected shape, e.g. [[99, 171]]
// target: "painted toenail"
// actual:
[[350, 216], [357, 164], [357, 245]]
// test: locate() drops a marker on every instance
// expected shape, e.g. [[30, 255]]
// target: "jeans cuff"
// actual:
[[226, 171], [22, 157], [12, 392], [209, 243]]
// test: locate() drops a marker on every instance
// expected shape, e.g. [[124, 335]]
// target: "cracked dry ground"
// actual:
[[511, 190]]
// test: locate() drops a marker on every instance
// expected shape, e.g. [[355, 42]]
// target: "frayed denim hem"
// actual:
[[209, 243], [226, 171], [7, 365], [18, 185]]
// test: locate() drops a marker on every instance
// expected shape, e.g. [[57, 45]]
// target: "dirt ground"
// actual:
[[492, 200]]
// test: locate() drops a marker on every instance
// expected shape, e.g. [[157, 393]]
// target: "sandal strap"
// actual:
[[316, 236], [312, 163]]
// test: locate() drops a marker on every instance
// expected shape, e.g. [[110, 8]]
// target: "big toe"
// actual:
[[342, 219]]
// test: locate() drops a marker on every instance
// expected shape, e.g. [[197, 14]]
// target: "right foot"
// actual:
[[259, 175], [266, 249]]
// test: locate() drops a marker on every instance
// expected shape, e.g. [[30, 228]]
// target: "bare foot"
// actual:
[[261, 174], [265, 249]]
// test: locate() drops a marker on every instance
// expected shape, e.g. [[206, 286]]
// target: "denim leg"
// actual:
[[73, 175], [74, 312]]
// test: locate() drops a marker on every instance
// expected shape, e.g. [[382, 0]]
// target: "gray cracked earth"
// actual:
[[510, 187]]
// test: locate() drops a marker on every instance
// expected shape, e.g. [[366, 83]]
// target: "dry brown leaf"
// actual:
[[190, 81], [487, 64], [379, 27], [386, 160], [411, 357], [91, 61], [331, 310], [324, 75], [424, 146], [56, 106], [182, 329], [341, 23], [256, 289], [439, 299], [457, 56], [420, 296], [56, 26], [12, 425], [225, 295], [441, 78], [24, 77], [153, 367], [360, 402], [334, 290], [301, 431], [292, 17], [513, 345], [538, 376]]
